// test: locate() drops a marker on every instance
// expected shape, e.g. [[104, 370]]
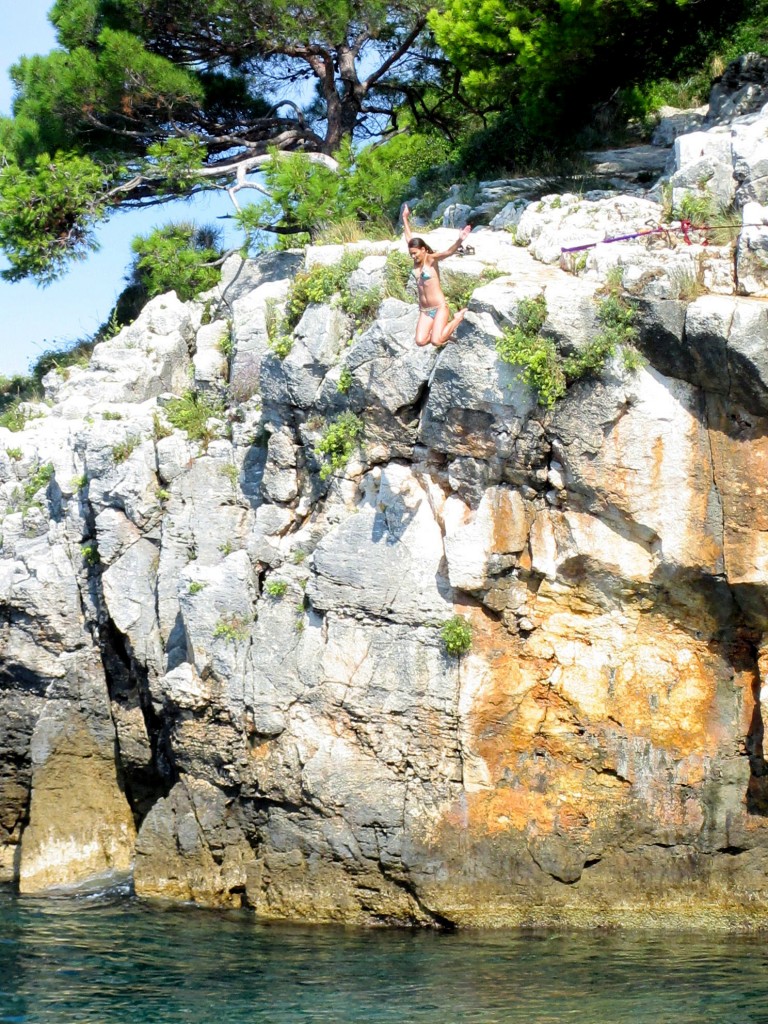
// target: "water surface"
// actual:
[[112, 960]]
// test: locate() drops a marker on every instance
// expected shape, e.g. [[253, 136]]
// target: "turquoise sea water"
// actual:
[[112, 960]]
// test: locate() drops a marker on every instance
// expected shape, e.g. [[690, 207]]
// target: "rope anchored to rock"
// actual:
[[685, 227]]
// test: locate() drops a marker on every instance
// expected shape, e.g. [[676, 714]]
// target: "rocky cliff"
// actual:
[[221, 655]]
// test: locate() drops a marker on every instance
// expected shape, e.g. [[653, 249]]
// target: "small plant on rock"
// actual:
[[456, 634], [39, 479], [337, 443], [231, 628], [123, 449], [195, 587], [159, 429], [537, 356], [397, 272], [362, 307], [345, 381], [90, 554], [191, 414], [231, 472], [276, 588], [14, 418]]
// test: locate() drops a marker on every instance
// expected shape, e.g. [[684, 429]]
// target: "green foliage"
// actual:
[[337, 442], [348, 229], [456, 634], [544, 65], [143, 95], [159, 429], [123, 449], [276, 588], [79, 483], [196, 586], [162, 495], [542, 366], [318, 284], [362, 307], [231, 628], [459, 287], [232, 473], [191, 413], [47, 214], [524, 346], [177, 257], [345, 381], [358, 202], [617, 317], [14, 418], [24, 498], [226, 344], [108, 414], [90, 554], [174, 161], [397, 272], [14, 453]]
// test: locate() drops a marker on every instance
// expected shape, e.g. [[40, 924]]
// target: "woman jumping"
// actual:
[[434, 326]]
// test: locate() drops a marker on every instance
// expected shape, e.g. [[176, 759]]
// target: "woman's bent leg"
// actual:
[[424, 327], [442, 333]]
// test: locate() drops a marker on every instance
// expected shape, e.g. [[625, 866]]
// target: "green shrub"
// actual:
[[276, 588], [107, 415], [337, 442], [231, 472], [226, 344], [90, 553], [177, 257], [318, 284], [397, 272], [14, 453], [538, 357], [196, 586], [456, 634], [14, 418], [23, 498], [542, 366], [159, 429], [345, 381], [361, 306], [231, 628], [123, 449], [458, 287], [351, 229], [191, 414]]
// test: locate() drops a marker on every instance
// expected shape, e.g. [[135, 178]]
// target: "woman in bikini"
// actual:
[[434, 326]]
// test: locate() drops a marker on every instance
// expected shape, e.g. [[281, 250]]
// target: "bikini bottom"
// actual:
[[430, 311]]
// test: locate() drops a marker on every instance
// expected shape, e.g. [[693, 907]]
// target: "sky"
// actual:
[[34, 319]]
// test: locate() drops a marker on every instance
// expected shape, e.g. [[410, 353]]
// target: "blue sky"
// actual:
[[34, 319]]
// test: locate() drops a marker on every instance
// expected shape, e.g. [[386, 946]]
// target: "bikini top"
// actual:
[[423, 276]]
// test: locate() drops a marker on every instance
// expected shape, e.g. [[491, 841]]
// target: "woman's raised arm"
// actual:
[[456, 245]]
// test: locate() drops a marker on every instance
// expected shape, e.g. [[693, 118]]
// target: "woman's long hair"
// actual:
[[419, 243]]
